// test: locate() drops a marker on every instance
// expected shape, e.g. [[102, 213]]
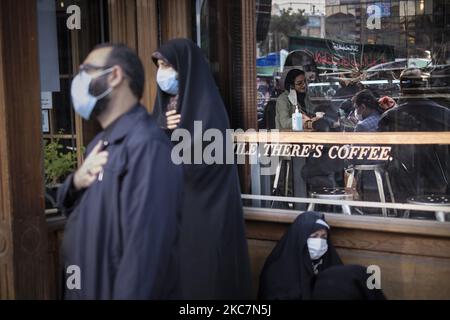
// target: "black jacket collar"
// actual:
[[118, 130]]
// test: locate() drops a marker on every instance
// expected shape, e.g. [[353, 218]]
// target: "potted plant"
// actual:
[[58, 163]]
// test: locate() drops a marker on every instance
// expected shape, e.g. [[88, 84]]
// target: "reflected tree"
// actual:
[[288, 23]]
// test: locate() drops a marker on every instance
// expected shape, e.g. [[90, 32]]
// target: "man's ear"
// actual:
[[116, 76]]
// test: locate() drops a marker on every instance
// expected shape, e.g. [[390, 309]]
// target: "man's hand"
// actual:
[[173, 119], [91, 167]]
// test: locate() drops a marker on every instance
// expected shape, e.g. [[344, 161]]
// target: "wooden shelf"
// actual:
[[59, 136], [371, 138]]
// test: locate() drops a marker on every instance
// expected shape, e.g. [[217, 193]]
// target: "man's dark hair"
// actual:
[[367, 98], [130, 63]]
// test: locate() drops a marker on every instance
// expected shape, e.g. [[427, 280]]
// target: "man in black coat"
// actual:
[[122, 204]]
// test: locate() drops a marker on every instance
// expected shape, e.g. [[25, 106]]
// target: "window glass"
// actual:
[[369, 66]]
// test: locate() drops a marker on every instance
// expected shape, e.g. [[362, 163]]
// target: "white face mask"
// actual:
[[83, 101], [317, 247], [167, 80]]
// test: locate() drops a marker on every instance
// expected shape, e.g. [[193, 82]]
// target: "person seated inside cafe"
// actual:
[[367, 111], [417, 169], [349, 282], [295, 94], [303, 252]]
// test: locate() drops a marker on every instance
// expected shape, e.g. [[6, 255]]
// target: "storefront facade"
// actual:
[[249, 45]]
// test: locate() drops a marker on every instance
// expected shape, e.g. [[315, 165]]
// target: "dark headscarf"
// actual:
[[288, 271], [345, 283]]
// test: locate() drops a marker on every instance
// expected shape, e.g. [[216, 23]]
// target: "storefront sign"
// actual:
[[342, 152], [331, 54]]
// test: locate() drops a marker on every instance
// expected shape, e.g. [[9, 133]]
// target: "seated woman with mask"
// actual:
[[303, 252], [296, 93]]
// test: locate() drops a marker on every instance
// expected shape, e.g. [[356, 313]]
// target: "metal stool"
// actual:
[[431, 200], [378, 171], [332, 194], [276, 189]]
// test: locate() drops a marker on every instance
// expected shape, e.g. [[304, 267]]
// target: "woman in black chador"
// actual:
[[303, 252], [214, 255]]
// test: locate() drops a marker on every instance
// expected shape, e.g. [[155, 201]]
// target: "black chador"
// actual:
[[214, 256]]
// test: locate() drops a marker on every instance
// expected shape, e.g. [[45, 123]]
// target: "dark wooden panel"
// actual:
[[391, 242], [243, 54], [122, 22], [363, 239], [6, 266], [135, 23], [405, 276], [395, 225], [259, 250], [414, 256], [147, 35], [264, 230], [85, 41], [402, 276], [55, 238], [23, 262], [249, 63], [176, 21]]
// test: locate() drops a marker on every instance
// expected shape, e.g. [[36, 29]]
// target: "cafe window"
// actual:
[[372, 89]]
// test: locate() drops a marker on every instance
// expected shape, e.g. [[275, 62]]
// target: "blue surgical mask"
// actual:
[[83, 101], [167, 81]]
